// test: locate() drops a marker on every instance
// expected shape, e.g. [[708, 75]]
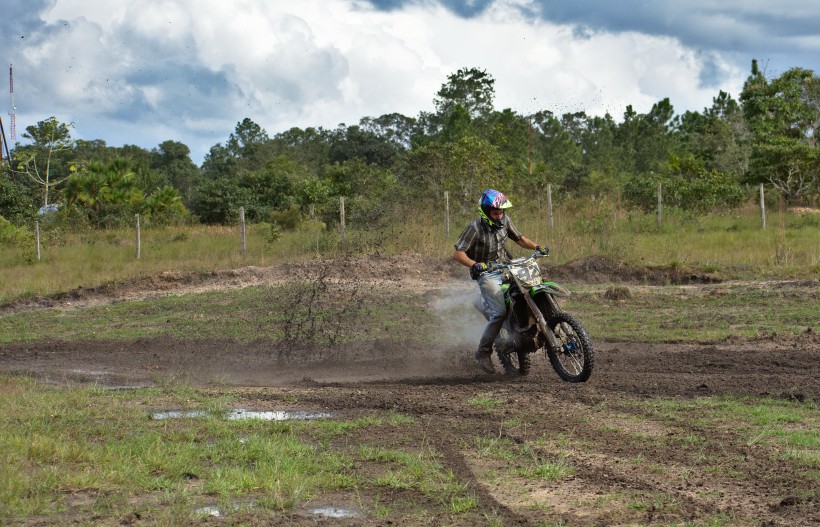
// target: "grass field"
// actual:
[[651, 314], [677, 426], [731, 245], [96, 456]]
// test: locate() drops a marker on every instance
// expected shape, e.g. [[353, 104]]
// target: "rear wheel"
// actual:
[[574, 360], [515, 361]]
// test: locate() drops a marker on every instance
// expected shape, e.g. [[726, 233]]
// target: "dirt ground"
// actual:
[[621, 453]]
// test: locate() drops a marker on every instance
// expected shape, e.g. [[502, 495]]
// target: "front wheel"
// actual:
[[575, 357]]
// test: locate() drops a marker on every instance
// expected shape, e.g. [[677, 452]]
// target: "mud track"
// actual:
[[616, 450]]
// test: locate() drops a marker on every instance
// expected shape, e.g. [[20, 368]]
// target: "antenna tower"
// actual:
[[12, 121]]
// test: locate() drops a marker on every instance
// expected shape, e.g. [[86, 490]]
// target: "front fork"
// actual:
[[539, 318]]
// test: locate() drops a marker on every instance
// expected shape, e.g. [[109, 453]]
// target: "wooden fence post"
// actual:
[[342, 215], [447, 214], [549, 210], [242, 228], [137, 218], [763, 205], [660, 205], [37, 239]]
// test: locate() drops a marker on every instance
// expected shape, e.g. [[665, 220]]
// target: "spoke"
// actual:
[[573, 358]]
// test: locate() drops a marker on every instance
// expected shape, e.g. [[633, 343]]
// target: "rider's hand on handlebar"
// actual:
[[542, 249], [477, 269]]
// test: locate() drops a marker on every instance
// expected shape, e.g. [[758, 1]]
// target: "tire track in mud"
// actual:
[[612, 449], [624, 459], [597, 473], [439, 433], [449, 436], [455, 461]]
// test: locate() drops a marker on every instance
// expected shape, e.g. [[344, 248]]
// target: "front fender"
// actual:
[[550, 288]]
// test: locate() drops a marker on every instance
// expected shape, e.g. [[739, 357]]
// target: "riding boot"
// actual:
[[485, 362]]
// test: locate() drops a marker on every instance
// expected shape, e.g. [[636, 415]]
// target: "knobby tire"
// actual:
[[515, 362], [575, 361]]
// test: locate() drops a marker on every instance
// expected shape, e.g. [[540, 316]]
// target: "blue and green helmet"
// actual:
[[492, 199]]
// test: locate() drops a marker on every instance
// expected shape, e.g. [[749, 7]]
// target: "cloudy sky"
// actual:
[[145, 71]]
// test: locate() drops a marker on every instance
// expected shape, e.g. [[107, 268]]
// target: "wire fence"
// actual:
[[549, 221]]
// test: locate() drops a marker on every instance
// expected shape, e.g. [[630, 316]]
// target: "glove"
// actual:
[[542, 249], [476, 269]]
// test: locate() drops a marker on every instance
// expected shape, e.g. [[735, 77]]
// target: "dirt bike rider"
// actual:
[[480, 244]]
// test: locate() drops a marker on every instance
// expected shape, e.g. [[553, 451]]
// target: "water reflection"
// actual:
[[240, 414]]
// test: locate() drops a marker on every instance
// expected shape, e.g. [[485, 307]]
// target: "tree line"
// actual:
[[386, 167]]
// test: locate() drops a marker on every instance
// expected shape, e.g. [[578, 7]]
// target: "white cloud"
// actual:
[[144, 71]]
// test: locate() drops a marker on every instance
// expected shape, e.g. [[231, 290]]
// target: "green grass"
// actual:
[[420, 471], [56, 445], [788, 430], [99, 257], [732, 244], [88, 451], [658, 314], [675, 314], [521, 459], [77, 452], [247, 314], [548, 471], [498, 448], [486, 402]]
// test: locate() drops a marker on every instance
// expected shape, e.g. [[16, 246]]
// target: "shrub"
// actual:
[[11, 236], [707, 190], [271, 232], [219, 201], [15, 205], [287, 219]]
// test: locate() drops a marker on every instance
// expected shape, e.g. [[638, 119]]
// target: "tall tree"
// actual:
[[555, 152], [354, 142], [463, 168], [15, 205], [598, 145], [511, 134], [218, 163], [41, 161], [783, 116], [718, 136], [308, 147], [654, 142], [219, 200], [470, 88], [172, 160], [246, 139], [244, 150], [394, 128]]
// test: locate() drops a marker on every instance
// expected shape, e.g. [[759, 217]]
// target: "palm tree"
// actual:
[[88, 187], [164, 204]]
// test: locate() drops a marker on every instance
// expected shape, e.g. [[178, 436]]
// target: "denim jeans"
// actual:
[[494, 310]]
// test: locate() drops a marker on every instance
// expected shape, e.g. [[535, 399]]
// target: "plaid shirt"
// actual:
[[482, 244]]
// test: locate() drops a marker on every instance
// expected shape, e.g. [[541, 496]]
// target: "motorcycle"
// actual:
[[535, 321]]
